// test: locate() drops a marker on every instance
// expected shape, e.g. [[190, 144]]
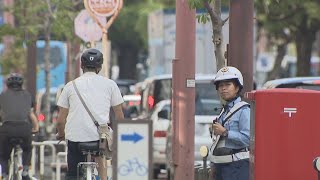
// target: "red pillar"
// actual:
[[241, 40], [183, 96]]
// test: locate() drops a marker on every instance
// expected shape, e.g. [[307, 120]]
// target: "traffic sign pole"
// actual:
[[113, 13], [86, 27], [132, 150]]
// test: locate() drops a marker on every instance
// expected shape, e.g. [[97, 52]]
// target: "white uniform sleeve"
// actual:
[[63, 100], [116, 97]]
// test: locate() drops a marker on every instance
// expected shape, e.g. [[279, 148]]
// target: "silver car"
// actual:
[[207, 108]]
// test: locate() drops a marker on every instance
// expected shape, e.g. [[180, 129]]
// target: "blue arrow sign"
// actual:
[[135, 137]]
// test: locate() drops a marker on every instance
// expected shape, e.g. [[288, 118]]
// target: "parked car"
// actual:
[[157, 104], [311, 83], [207, 108], [161, 118], [153, 90], [126, 86], [131, 105]]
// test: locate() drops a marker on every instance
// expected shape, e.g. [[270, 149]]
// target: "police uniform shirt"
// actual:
[[238, 126], [99, 94]]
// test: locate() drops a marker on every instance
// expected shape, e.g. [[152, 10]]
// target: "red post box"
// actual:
[[285, 134]]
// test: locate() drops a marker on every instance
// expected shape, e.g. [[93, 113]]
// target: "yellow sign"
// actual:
[[105, 8]]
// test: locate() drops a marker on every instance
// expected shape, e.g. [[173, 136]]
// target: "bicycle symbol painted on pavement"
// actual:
[[133, 166]]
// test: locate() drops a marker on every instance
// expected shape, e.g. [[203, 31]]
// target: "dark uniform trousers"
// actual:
[[237, 170], [15, 129]]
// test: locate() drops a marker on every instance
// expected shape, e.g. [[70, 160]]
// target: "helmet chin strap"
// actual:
[[98, 70]]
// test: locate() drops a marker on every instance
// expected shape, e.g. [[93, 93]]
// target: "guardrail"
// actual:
[[54, 159]]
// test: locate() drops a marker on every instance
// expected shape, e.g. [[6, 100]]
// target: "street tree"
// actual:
[[291, 21], [129, 33], [213, 15], [38, 20]]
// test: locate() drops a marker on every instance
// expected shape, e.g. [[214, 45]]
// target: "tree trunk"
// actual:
[[281, 52], [128, 58], [32, 68], [304, 41], [217, 40], [47, 69], [217, 36]]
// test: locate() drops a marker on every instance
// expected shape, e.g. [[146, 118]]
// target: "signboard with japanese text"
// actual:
[[104, 8], [86, 28], [132, 155]]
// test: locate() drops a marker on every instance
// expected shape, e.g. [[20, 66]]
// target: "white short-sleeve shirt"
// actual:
[[99, 94]]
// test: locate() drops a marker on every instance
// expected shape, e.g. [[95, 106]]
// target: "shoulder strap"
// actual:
[[84, 104], [233, 110]]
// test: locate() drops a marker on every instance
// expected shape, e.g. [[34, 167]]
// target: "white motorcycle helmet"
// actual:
[[228, 73]]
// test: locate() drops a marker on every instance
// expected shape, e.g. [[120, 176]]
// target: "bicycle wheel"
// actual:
[[124, 170], [12, 166], [16, 175], [141, 170], [13, 174], [89, 173]]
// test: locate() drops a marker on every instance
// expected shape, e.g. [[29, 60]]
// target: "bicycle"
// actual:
[[87, 168], [15, 161], [133, 166]]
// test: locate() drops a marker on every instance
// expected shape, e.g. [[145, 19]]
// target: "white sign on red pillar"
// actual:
[[104, 8], [86, 27]]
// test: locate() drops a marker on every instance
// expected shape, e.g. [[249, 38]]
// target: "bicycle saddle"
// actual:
[[15, 140], [89, 146]]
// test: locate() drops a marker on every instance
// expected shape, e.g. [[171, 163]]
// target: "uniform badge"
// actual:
[[225, 69]]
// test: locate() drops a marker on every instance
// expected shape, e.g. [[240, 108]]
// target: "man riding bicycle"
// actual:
[[18, 120], [74, 123]]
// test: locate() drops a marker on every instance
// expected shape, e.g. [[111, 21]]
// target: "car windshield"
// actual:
[[301, 86], [207, 100], [310, 87]]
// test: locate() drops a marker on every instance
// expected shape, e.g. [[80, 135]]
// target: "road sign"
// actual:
[[104, 8], [86, 28], [132, 157]]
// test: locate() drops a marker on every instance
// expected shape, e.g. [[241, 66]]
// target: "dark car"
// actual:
[[311, 83], [126, 85]]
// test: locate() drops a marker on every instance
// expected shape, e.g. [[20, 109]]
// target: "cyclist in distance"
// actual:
[[18, 120], [74, 122]]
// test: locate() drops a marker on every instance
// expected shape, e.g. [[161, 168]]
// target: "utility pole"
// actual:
[[240, 51], [183, 88]]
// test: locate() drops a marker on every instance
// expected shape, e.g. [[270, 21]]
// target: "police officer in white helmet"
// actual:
[[231, 130]]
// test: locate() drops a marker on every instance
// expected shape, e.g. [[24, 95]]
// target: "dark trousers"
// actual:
[[237, 170], [73, 158], [15, 129]]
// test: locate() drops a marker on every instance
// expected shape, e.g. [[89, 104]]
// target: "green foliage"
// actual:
[[30, 25], [199, 4], [203, 18], [291, 14], [291, 21], [13, 59], [130, 29]]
